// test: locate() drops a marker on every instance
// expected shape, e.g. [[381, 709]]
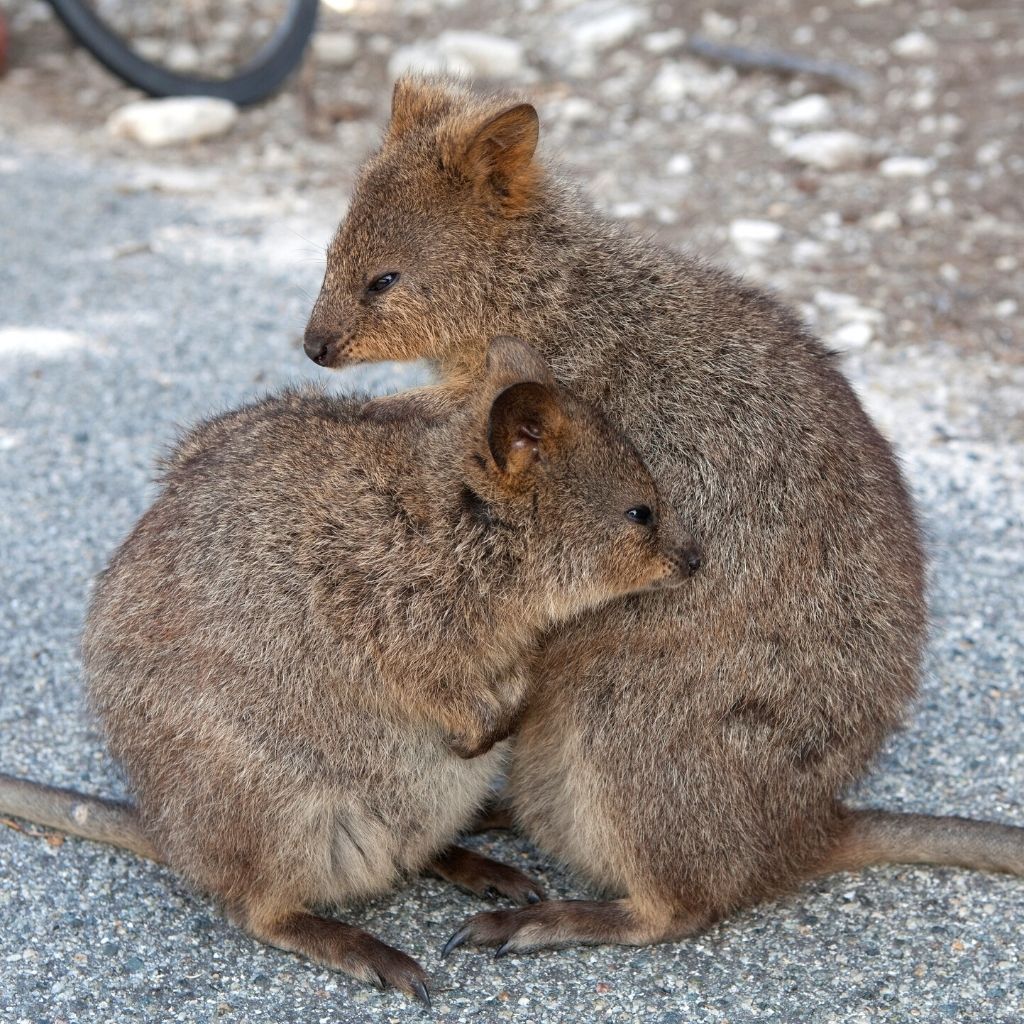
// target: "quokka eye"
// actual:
[[383, 283], [640, 514]]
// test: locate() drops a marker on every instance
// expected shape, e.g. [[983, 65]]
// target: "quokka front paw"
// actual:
[[348, 949], [477, 742], [469, 747], [489, 879]]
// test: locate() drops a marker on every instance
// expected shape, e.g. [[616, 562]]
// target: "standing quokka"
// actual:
[[307, 648], [686, 752]]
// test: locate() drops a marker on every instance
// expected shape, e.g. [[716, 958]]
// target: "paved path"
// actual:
[[125, 313]]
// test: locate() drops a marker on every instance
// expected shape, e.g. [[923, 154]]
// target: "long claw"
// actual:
[[419, 990], [490, 893], [455, 941], [533, 897], [503, 950]]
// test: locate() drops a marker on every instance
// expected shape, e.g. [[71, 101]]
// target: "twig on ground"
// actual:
[[779, 62]]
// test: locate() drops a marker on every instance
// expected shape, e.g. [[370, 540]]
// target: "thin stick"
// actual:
[[779, 62]]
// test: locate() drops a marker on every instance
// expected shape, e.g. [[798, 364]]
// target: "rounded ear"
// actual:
[[415, 100], [525, 420], [511, 360], [498, 157]]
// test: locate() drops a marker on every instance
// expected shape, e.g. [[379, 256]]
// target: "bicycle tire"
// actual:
[[257, 80]]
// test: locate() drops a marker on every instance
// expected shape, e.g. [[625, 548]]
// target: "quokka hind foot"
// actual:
[[623, 922]]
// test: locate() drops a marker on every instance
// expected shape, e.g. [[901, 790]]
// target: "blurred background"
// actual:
[[863, 159]]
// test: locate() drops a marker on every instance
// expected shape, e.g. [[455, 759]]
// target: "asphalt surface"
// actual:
[[125, 313]]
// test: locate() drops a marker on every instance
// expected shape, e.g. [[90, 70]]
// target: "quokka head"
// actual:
[[546, 465], [412, 270]]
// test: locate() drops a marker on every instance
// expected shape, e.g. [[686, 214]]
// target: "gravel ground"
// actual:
[[141, 291]]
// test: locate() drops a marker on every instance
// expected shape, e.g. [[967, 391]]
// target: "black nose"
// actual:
[[316, 347], [693, 561]]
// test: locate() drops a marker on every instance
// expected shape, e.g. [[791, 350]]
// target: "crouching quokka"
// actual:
[[308, 651], [687, 753]]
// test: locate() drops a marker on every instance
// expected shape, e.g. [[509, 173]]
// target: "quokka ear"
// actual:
[[511, 360], [414, 101], [497, 157], [526, 420]]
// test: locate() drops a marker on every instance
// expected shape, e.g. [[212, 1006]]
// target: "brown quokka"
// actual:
[[686, 752], [307, 649]]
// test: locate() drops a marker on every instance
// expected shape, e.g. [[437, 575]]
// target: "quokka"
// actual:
[[308, 650], [686, 752]]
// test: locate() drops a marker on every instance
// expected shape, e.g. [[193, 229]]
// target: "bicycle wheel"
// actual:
[[239, 50]]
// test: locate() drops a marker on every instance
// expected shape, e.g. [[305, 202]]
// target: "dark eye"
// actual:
[[383, 283], [640, 514]]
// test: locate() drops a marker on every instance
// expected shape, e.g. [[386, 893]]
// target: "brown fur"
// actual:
[[307, 648], [684, 750]]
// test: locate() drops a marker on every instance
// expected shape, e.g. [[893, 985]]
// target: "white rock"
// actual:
[[660, 43], [807, 251], [171, 121], [855, 334], [182, 57], [678, 79], [459, 53], [733, 123], [489, 56], [884, 220], [335, 49], [920, 203], [906, 167], [754, 237], [855, 324], [915, 46], [989, 153], [716, 24], [181, 180], [669, 85], [680, 164], [628, 210], [805, 112], [596, 29], [830, 151], [1005, 308], [832, 301], [576, 110]]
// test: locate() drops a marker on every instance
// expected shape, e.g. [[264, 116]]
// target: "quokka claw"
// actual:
[[455, 941], [419, 990]]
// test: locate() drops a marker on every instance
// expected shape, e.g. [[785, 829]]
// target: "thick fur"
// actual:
[[686, 750], [307, 649]]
